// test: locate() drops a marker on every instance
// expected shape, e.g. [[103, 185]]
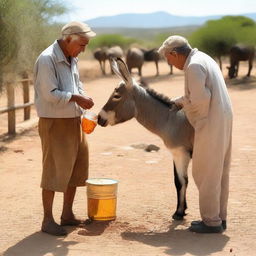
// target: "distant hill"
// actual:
[[145, 33], [153, 20]]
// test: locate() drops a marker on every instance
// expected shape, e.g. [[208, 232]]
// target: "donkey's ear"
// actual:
[[120, 69], [115, 68]]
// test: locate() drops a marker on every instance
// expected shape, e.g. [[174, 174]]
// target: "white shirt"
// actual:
[[206, 95], [55, 80]]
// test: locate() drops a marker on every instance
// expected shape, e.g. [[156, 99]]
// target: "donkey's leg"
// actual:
[[237, 68], [157, 69], [171, 69], [250, 67], [101, 67], [181, 160], [112, 71], [104, 67]]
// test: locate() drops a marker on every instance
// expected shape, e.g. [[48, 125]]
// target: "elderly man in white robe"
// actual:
[[207, 106]]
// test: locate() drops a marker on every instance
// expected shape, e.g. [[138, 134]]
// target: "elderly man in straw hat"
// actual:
[[207, 106], [59, 100]]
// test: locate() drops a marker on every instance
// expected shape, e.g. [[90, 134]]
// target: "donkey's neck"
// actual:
[[150, 112]]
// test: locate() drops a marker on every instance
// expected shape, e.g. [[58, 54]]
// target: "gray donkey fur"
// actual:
[[159, 115], [135, 59]]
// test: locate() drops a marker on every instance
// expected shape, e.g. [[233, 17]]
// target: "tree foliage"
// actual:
[[217, 36], [25, 30]]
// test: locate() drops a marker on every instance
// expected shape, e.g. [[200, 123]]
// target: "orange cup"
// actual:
[[89, 122]]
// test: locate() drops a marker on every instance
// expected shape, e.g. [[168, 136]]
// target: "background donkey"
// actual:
[[159, 115], [238, 53], [100, 54], [114, 52], [135, 59], [105, 53], [152, 55]]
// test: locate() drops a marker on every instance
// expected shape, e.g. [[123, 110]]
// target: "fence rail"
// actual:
[[11, 107], [16, 107]]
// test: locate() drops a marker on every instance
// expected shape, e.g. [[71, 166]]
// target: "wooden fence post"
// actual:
[[11, 113], [25, 85]]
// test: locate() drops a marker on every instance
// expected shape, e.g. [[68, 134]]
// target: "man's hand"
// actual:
[[83, 101], [178, 102]]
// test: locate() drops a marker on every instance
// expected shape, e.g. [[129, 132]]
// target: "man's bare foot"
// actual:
[[72, 221], [53, 228]]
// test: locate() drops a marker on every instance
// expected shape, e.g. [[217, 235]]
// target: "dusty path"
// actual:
[[146, 196]]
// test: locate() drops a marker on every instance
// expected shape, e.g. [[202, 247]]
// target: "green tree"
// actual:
[[217, 36], [26, 30]]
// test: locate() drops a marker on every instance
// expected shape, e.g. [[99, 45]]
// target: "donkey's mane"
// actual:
[[160, 97]]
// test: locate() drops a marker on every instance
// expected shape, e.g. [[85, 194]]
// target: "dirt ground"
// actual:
[[146, 191]]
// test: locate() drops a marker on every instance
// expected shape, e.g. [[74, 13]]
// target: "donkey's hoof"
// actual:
[[178, 216]]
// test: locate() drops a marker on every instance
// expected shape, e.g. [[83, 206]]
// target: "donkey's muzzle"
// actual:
[[102, 121]]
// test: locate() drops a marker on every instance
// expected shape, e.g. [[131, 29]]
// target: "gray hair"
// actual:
[[183, 50], [73, 37], [175, 43]]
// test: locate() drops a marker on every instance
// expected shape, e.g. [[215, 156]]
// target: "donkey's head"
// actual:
[[120, 106]]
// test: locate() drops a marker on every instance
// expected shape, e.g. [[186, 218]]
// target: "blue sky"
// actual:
[[83, 10]]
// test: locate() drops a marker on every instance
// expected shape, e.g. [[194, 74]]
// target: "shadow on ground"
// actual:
[[39, 244], [94, 228], [180, 241], [241, 83], [5, 138]]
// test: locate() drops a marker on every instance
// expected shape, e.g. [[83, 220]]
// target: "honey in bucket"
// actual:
[[101, 199], [89, 122]]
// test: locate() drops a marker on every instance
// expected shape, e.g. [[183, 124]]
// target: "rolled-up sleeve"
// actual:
[[81, 89], [47, 83], [196, 104]]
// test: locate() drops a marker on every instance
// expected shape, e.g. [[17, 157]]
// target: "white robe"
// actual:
[[208, 108]]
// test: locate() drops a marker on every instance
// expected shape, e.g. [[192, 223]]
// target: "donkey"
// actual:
[[135, 59], [114, 52], [238, 53], [153, 55], [159, 115], [100, 54]]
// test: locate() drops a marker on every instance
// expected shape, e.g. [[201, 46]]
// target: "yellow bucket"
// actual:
[[101, 198]]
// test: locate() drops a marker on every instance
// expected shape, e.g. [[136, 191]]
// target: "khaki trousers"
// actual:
[[65, 153]]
